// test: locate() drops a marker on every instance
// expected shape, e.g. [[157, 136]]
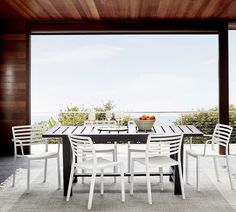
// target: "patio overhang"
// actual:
[[18, 20]]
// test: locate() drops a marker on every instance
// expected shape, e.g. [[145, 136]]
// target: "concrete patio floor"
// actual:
[[207, 170]]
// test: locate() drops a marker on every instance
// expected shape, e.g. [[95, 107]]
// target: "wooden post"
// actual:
[[223, 77], [13, 80]]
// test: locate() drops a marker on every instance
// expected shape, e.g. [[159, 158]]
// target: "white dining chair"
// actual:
[[136, 149], [87, 160], [132, 149], [105, 149], [220, 138], [24, 136], [159, 148]]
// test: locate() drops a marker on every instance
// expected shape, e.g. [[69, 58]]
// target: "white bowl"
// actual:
[[144, 124]]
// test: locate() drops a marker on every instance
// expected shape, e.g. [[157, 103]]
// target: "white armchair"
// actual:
[[220, 138], [24, 136]]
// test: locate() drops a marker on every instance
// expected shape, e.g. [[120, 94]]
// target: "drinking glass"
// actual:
[[119, 117], [92, 117], [109, 115]]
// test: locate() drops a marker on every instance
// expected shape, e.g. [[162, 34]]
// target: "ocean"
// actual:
[[161, 118]]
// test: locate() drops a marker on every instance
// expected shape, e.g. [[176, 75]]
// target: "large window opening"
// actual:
[[138, 73]]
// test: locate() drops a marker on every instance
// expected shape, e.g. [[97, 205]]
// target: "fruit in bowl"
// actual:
[[145, 122], [144, 117]]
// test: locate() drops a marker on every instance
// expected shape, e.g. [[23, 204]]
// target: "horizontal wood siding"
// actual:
[[14, 91]]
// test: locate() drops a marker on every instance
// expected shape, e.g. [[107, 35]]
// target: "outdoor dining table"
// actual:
[[125, 134]]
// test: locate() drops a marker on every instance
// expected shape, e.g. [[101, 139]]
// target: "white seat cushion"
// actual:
[[42, 155], [197, 152], [101, 163], [102, 148], [158, 161], [137, 148]]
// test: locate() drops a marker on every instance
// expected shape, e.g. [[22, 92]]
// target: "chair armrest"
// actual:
[[46, 144], [206, 142], [20, 144], [17, 141]]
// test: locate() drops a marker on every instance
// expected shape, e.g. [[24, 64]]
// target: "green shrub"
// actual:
[[206, 121], [72, 116]]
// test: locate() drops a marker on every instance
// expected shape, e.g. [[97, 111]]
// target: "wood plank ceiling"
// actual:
[[81, 10]]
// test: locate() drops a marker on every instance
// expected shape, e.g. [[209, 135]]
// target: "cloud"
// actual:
[[81, 54], [157, 91]]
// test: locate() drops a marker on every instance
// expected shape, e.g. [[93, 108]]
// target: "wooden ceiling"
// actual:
[[99, 10]]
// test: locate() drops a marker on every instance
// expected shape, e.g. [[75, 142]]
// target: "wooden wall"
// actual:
[[14, 84]]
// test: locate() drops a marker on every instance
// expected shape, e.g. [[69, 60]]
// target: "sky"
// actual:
[[136, 72]]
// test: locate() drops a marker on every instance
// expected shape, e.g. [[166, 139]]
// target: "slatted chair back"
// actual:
[[25, 135], [164, 145], [82, 149], [221, 136]]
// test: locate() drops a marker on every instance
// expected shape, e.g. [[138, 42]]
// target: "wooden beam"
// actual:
[[124, 27], [223, 77]]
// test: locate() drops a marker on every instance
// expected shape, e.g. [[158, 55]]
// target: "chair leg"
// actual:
[[70, 183], [59, 173], [148, 185], [132, 178], [161, 178], [91, 189], [197, 172], [129, 160], [14, 172], [187, 168], [229, 172], [115, 159], [102, 182], [181, 180], [28, 176], [45, 170], [216, 169], [83, 171], [83, 177], [122, 183]]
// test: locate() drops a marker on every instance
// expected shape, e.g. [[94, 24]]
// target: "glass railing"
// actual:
[[203, 120]]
